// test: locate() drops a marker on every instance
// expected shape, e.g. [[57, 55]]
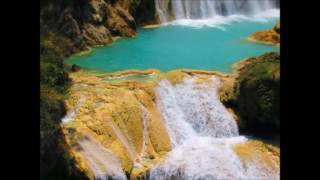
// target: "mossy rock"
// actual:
[[257, 94], [277, 27]]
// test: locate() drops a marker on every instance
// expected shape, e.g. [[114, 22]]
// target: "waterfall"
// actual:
[[71, 115], [145, 135], [103, 163], [168, 10], [124, 139], [203, 134], [190, 109]]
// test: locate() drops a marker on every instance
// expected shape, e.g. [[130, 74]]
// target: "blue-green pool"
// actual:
[[174, 47]]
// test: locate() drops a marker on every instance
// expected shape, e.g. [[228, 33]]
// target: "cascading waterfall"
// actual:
[[191, 109], [168, 10], [202, 133], [145, 118], [125, 140], [101, 161], [70, 116]]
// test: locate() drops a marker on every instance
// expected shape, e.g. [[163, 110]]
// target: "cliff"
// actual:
[[70, 26]]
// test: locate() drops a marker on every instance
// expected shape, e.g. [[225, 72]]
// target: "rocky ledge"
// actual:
[[270, 36]]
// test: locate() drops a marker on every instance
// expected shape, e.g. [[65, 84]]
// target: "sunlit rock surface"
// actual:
[[147, 124], [270, 36]]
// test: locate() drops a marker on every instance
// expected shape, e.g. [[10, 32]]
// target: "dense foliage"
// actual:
[[55, 162]]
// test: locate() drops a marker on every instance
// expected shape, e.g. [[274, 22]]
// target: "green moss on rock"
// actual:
[[257, 94]]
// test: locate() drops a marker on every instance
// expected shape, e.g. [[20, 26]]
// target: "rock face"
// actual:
[[271, 36], [256, 94], [76, 24], [121, 23], [122, 116], [96, 34]]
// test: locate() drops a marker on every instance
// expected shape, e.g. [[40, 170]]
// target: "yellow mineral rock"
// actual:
[[112, 114], [257, 151]]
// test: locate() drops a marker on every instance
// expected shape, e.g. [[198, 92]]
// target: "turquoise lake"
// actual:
[[174, 47]]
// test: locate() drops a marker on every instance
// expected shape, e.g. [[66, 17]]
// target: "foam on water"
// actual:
[[202, 158], [220, 21]]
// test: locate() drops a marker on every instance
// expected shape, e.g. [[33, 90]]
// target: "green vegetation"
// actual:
[[55, 162], [55, 44], [277, 27], [257, 94]]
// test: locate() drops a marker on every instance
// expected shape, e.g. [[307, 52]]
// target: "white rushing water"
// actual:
[[145, 134], [101, 161], [202, 133], [214, 12], [191, 109], [71, 115], [126, 140]]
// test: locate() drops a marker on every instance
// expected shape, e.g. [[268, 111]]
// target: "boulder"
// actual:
[[75, 68], [256, 96]]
